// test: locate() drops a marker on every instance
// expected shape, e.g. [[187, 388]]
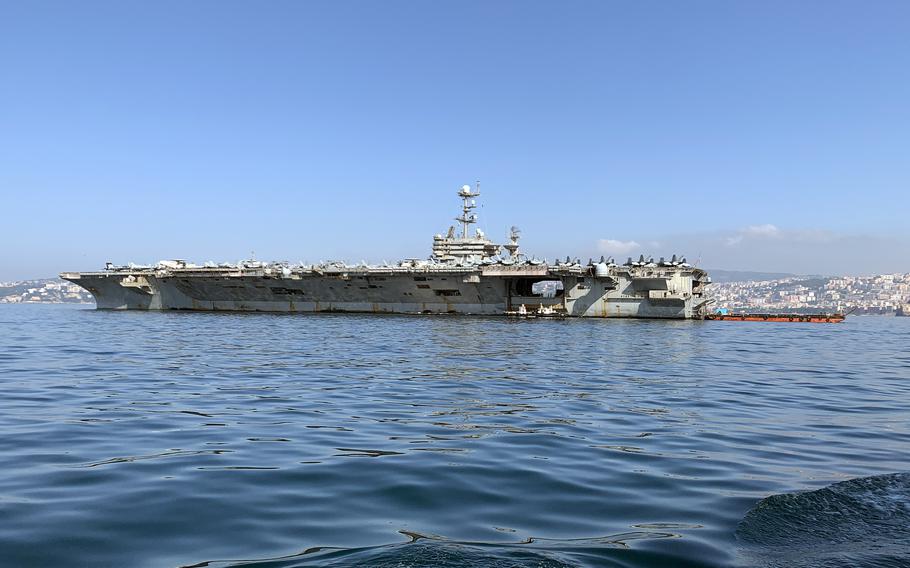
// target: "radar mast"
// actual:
[[467, 217]]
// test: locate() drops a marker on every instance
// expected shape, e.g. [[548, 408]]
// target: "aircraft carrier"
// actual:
[[466, 273]]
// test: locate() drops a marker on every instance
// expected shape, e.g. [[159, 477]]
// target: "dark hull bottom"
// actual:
[[380, 311]]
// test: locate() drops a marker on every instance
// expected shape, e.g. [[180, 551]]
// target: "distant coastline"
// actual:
[[883, 294], [43, 291]]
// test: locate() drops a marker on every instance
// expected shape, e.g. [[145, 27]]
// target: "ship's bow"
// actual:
[[113, 291]]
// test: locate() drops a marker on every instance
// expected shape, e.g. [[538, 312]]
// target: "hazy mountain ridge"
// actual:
[[723, 276]]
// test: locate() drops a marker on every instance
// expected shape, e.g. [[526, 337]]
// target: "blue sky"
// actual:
[[762, 135]]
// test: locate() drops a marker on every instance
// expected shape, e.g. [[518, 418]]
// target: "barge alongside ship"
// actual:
[[777, 317], [467, 273]]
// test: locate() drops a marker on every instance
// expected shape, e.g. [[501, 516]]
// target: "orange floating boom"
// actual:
[[810, 318]]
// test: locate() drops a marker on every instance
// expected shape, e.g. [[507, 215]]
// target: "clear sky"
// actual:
[[748, 135]]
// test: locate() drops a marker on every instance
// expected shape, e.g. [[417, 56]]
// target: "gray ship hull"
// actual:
[[622, 292]]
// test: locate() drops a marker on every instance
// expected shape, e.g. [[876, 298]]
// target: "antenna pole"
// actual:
[[465, 210]]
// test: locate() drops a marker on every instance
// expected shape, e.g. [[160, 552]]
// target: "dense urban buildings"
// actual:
[[53, 291], [882, 294]]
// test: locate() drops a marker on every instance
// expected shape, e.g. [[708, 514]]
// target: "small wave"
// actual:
[[860, 522], [427, 550], [170, 454], [359, 453], [402, 556]]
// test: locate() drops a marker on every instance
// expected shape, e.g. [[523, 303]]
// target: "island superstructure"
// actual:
[[467, 273]]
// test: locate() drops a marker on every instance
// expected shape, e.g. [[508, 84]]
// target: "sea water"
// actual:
[[213, 439]]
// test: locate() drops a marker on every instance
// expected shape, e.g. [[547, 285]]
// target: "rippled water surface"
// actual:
[[177, 439]]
